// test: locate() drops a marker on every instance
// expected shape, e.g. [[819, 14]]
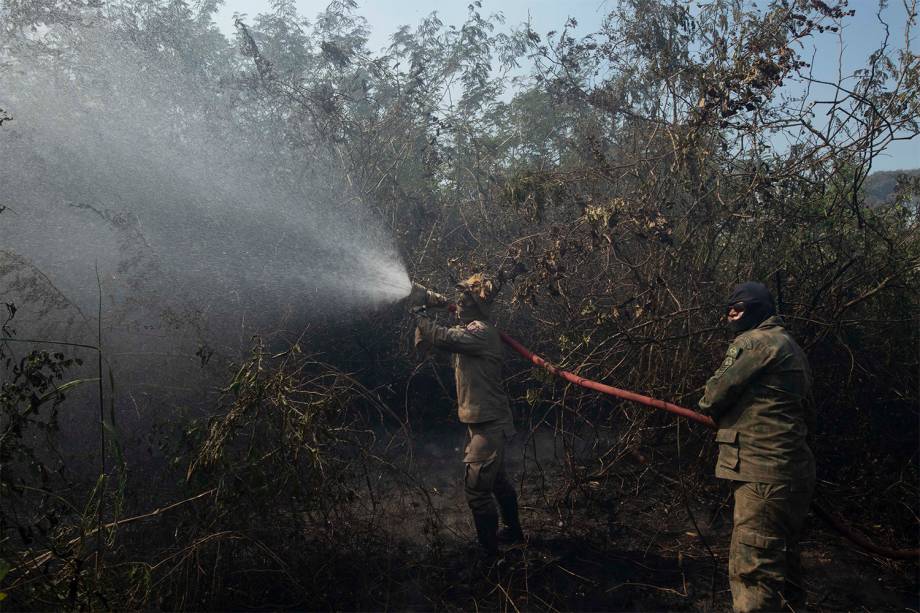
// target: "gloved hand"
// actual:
[[436, 300], [421, 298]]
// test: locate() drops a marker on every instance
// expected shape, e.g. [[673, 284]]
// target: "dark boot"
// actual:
[[511, 532], [486, 531]]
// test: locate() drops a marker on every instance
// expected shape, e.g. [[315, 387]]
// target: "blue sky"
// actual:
[[385, 17], [860, 34]]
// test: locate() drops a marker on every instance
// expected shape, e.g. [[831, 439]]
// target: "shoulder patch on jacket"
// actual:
[[730, 356], [744, 342]]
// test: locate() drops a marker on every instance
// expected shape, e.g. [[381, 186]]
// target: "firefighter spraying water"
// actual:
[[482, 405]]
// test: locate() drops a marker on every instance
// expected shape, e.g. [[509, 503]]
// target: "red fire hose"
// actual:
[[837, 524], [607, 389]]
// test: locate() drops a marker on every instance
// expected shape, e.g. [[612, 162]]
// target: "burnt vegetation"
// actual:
[[623, 180]]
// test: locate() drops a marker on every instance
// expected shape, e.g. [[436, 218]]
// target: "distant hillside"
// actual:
[[879, 186]]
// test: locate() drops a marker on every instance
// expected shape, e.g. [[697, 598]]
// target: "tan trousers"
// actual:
[[485, 476], [764, 566]]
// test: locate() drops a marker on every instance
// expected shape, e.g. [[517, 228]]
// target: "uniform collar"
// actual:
[[772, 321]]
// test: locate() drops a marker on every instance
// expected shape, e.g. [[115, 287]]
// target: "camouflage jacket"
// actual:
[[760, 399], [477, 360]]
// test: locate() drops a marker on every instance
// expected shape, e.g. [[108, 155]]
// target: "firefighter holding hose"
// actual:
[[759, 399], [482, 404]]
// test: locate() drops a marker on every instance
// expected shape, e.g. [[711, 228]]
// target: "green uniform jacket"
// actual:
[[477, 359], [759, 398]]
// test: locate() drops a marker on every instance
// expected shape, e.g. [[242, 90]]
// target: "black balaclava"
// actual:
[[758, 305]]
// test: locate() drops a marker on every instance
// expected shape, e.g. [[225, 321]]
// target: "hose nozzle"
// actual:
[[420, 296]]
